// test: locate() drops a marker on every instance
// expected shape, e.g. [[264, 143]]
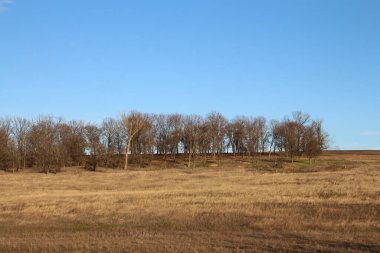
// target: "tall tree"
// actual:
[[300, 119], [109, 134], [94, 146], [291, 138], [252, 136], [133, 123], [73, 141], [176, 129], [236, 133], [7, 146], [216, 124], [315, 139], [43, 143], [263, 132], [191, 136], [21, 128]]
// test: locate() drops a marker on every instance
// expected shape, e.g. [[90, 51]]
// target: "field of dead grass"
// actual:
[[332, 205]]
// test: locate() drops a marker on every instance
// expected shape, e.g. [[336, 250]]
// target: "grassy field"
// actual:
[[332, 205]]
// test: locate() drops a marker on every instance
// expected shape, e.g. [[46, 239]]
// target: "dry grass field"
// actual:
[[332, 205]]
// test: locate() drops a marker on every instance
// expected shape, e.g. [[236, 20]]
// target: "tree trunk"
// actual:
[[188, 164], [24, 161], [126, 154]]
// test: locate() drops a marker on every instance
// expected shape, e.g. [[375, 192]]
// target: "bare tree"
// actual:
[[273, 136], [119, 137], [216, 124], [291, 142], [43, 143], [133, 123], [300, 119], [279, 134], [162, 132], [143, 141], [236, 133], [7, 147], [263, 133], [109, 134], [191, 136], [21, 128], [315, 139], [94, 146], [204, 144], [252, 136], [175, 123], [73, 142]]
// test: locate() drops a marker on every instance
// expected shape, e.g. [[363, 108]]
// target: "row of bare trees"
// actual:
[[47, 142]]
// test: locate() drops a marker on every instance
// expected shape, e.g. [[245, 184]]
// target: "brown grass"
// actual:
[[332, 205]]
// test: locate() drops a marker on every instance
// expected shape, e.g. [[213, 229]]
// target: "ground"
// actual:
[[330, 205]]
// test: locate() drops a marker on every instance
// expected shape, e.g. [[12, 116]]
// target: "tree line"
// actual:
[[48, 142]]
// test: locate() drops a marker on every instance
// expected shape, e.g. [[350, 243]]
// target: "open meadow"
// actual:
[[332, 205]]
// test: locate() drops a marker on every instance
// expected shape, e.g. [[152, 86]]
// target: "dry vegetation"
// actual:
[[332, 205]]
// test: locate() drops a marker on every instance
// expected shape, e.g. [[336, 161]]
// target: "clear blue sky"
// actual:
[[93, 59]]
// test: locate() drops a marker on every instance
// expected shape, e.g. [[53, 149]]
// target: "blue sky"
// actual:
[[94, 59]]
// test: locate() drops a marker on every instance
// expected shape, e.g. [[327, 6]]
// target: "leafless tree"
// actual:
[[263, 133], [119, 137], [43, 143], [162, 134], [315, 139], [7, 146], [273, 136], [204, 145], [143, 142], [94, 146], [73, 138], [300, 119], [175, 124], [167, 131], [252, 137], [236, 133], [21, 128], [216, 124], [291, 142], [119, 141], [191, 135], [109, 136], [133, 123], [280, 136]]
